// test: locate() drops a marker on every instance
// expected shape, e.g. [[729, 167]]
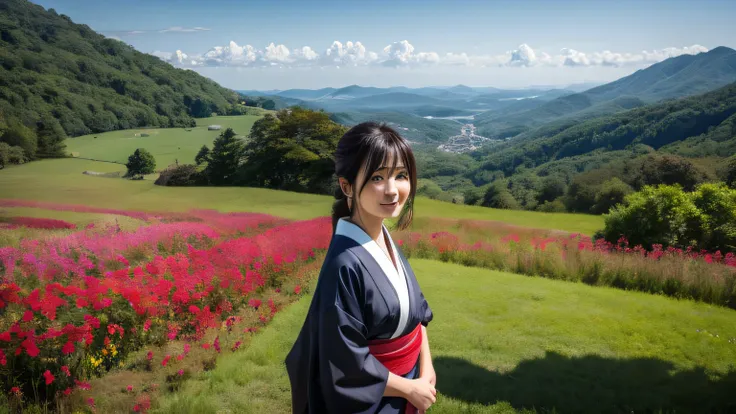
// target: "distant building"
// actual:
[[214, 127]]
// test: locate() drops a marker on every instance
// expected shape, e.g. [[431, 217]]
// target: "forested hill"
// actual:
[[708, 117], [60, 79], [676, 77]]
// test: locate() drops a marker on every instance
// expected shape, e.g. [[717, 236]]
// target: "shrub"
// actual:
[[662, 215]]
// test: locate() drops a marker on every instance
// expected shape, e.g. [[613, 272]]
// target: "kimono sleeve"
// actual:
[[351, 379], [427, 314]]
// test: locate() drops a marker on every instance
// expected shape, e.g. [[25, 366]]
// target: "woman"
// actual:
[[363, 347]]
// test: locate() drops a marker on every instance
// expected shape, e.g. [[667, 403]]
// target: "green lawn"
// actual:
[[508, 343], [62, 181], [166, 144]]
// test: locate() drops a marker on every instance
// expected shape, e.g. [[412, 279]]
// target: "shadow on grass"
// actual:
[[589, 384]]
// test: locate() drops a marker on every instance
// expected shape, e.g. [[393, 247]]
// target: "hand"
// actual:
[[422, 394], [428, 373]]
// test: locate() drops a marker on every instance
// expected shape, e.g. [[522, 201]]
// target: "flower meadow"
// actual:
[[102, 319], [704, 276], [74, 307]]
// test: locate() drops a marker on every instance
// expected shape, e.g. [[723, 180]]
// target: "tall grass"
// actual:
[[702, 276]]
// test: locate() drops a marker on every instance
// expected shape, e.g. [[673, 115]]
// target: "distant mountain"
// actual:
[[680, 126], [672, 78], [306, 94], [59, 79]]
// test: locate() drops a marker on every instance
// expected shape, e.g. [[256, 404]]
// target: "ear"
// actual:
[[346, 187]]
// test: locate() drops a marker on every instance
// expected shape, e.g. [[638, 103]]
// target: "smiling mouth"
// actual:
[[390, 204]]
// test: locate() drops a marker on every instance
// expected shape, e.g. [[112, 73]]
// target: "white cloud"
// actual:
[[184, 29], [404, 54], [349, 54], [523, 56]]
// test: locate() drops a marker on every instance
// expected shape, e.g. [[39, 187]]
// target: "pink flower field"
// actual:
[[73, 307]]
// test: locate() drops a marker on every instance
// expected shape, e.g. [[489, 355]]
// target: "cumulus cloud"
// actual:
[[349, 54], [404, 54]]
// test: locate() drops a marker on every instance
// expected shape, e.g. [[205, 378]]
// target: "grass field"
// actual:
[[505, 343], [166, 144], [62, 181]]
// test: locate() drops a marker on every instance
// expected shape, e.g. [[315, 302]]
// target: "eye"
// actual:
[[376, 178], [402, 175]]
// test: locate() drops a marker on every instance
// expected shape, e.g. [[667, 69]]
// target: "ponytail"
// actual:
[[340, 208]]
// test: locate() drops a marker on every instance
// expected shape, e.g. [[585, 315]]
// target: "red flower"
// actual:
[[28, 316], [166, 360], [91, 401], [49, 377], [30, 345], [297, 289], [130, 388], [65, 369], [68, 391], [15, 390], [82, 385]]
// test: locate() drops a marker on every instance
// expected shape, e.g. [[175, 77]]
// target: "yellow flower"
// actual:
[[104, 352], [114, 352]]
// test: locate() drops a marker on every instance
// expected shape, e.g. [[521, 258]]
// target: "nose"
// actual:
[[390, 189]]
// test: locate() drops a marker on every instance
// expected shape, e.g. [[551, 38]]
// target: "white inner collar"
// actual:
[[396, 275]]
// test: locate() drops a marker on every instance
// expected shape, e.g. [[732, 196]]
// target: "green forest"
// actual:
[[59, 79]]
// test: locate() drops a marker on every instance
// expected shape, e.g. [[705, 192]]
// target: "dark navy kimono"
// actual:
[[360, 296]]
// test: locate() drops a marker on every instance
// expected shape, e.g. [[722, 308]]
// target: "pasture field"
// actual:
[[166, 144], [502, 343], [62, 181]]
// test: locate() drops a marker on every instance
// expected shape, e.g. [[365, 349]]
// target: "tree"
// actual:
[[10, 155], [499, 196], [269, 104], [292, 150], [140, 163], [731, 172], [610, 193], [670, 169], [552, 188], [203, 156], [224, 159]]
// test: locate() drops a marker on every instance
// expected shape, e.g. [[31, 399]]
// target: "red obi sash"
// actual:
[[399, 355]]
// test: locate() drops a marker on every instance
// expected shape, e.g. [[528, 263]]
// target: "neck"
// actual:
[[373, 226]]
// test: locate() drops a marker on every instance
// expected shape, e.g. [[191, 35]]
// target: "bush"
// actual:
[[717, 204], [662, 215], [181, 176], [666, 215]]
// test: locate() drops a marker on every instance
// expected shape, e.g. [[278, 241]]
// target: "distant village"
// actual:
[[466, 141]]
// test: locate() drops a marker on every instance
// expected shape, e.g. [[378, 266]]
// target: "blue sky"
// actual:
[[412, 43]]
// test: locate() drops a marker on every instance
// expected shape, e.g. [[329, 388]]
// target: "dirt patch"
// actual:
[[116, 174]]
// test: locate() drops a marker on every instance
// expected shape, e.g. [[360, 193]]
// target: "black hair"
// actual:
[[369, 145]]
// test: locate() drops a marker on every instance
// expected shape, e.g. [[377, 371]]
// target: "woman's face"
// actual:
[[385, 192]]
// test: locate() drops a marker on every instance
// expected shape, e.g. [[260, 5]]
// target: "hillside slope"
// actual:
[[676, 77], [654, 125], [60, 79]]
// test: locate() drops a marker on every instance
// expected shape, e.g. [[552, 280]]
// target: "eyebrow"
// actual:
[[398, 167]]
